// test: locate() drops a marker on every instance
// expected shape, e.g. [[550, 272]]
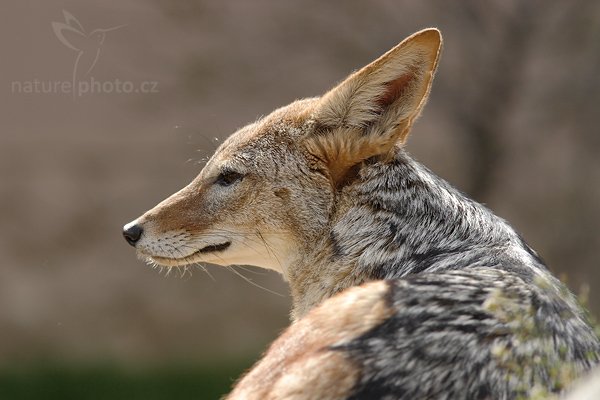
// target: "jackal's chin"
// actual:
[[208, 254]]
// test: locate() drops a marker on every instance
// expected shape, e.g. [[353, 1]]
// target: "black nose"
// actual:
[[132, 233]]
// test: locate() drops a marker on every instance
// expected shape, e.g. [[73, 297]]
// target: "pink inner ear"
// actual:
[[394, 90]]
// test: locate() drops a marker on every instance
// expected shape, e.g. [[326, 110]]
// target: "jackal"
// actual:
[[402, 287]]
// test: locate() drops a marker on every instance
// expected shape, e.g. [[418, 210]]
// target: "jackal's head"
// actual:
[[269, 192]]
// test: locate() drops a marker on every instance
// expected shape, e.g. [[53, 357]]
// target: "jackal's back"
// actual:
[[479, 333]]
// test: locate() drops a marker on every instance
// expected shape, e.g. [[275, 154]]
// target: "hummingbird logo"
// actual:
[[87, 45]]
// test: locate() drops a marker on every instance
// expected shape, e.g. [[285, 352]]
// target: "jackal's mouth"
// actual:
[[191, 258], [213, 248]]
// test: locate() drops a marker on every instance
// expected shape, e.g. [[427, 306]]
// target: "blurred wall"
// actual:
[[512, 120]]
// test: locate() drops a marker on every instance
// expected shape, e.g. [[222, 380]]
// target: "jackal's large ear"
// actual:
[[375, 107]]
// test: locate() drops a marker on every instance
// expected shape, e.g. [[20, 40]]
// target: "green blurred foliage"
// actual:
[[96, 382]]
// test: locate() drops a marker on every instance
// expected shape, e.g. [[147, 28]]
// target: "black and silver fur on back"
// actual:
[[476, 313], [474, 334]]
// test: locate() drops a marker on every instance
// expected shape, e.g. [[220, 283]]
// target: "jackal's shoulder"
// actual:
[[457, 334]]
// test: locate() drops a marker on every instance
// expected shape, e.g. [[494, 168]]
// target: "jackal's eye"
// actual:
[[228, 178]]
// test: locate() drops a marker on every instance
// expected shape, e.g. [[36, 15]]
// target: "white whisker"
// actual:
[[250, 281]]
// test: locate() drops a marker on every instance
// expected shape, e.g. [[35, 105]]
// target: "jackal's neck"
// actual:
[[398, 218]]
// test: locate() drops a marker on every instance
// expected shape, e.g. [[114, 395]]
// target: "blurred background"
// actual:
[[513, 121]]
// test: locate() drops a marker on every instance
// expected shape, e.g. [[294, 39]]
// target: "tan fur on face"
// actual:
[[264, 216], [289, 369]]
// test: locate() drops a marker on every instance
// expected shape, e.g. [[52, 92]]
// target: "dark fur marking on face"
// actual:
[[282, 193]]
